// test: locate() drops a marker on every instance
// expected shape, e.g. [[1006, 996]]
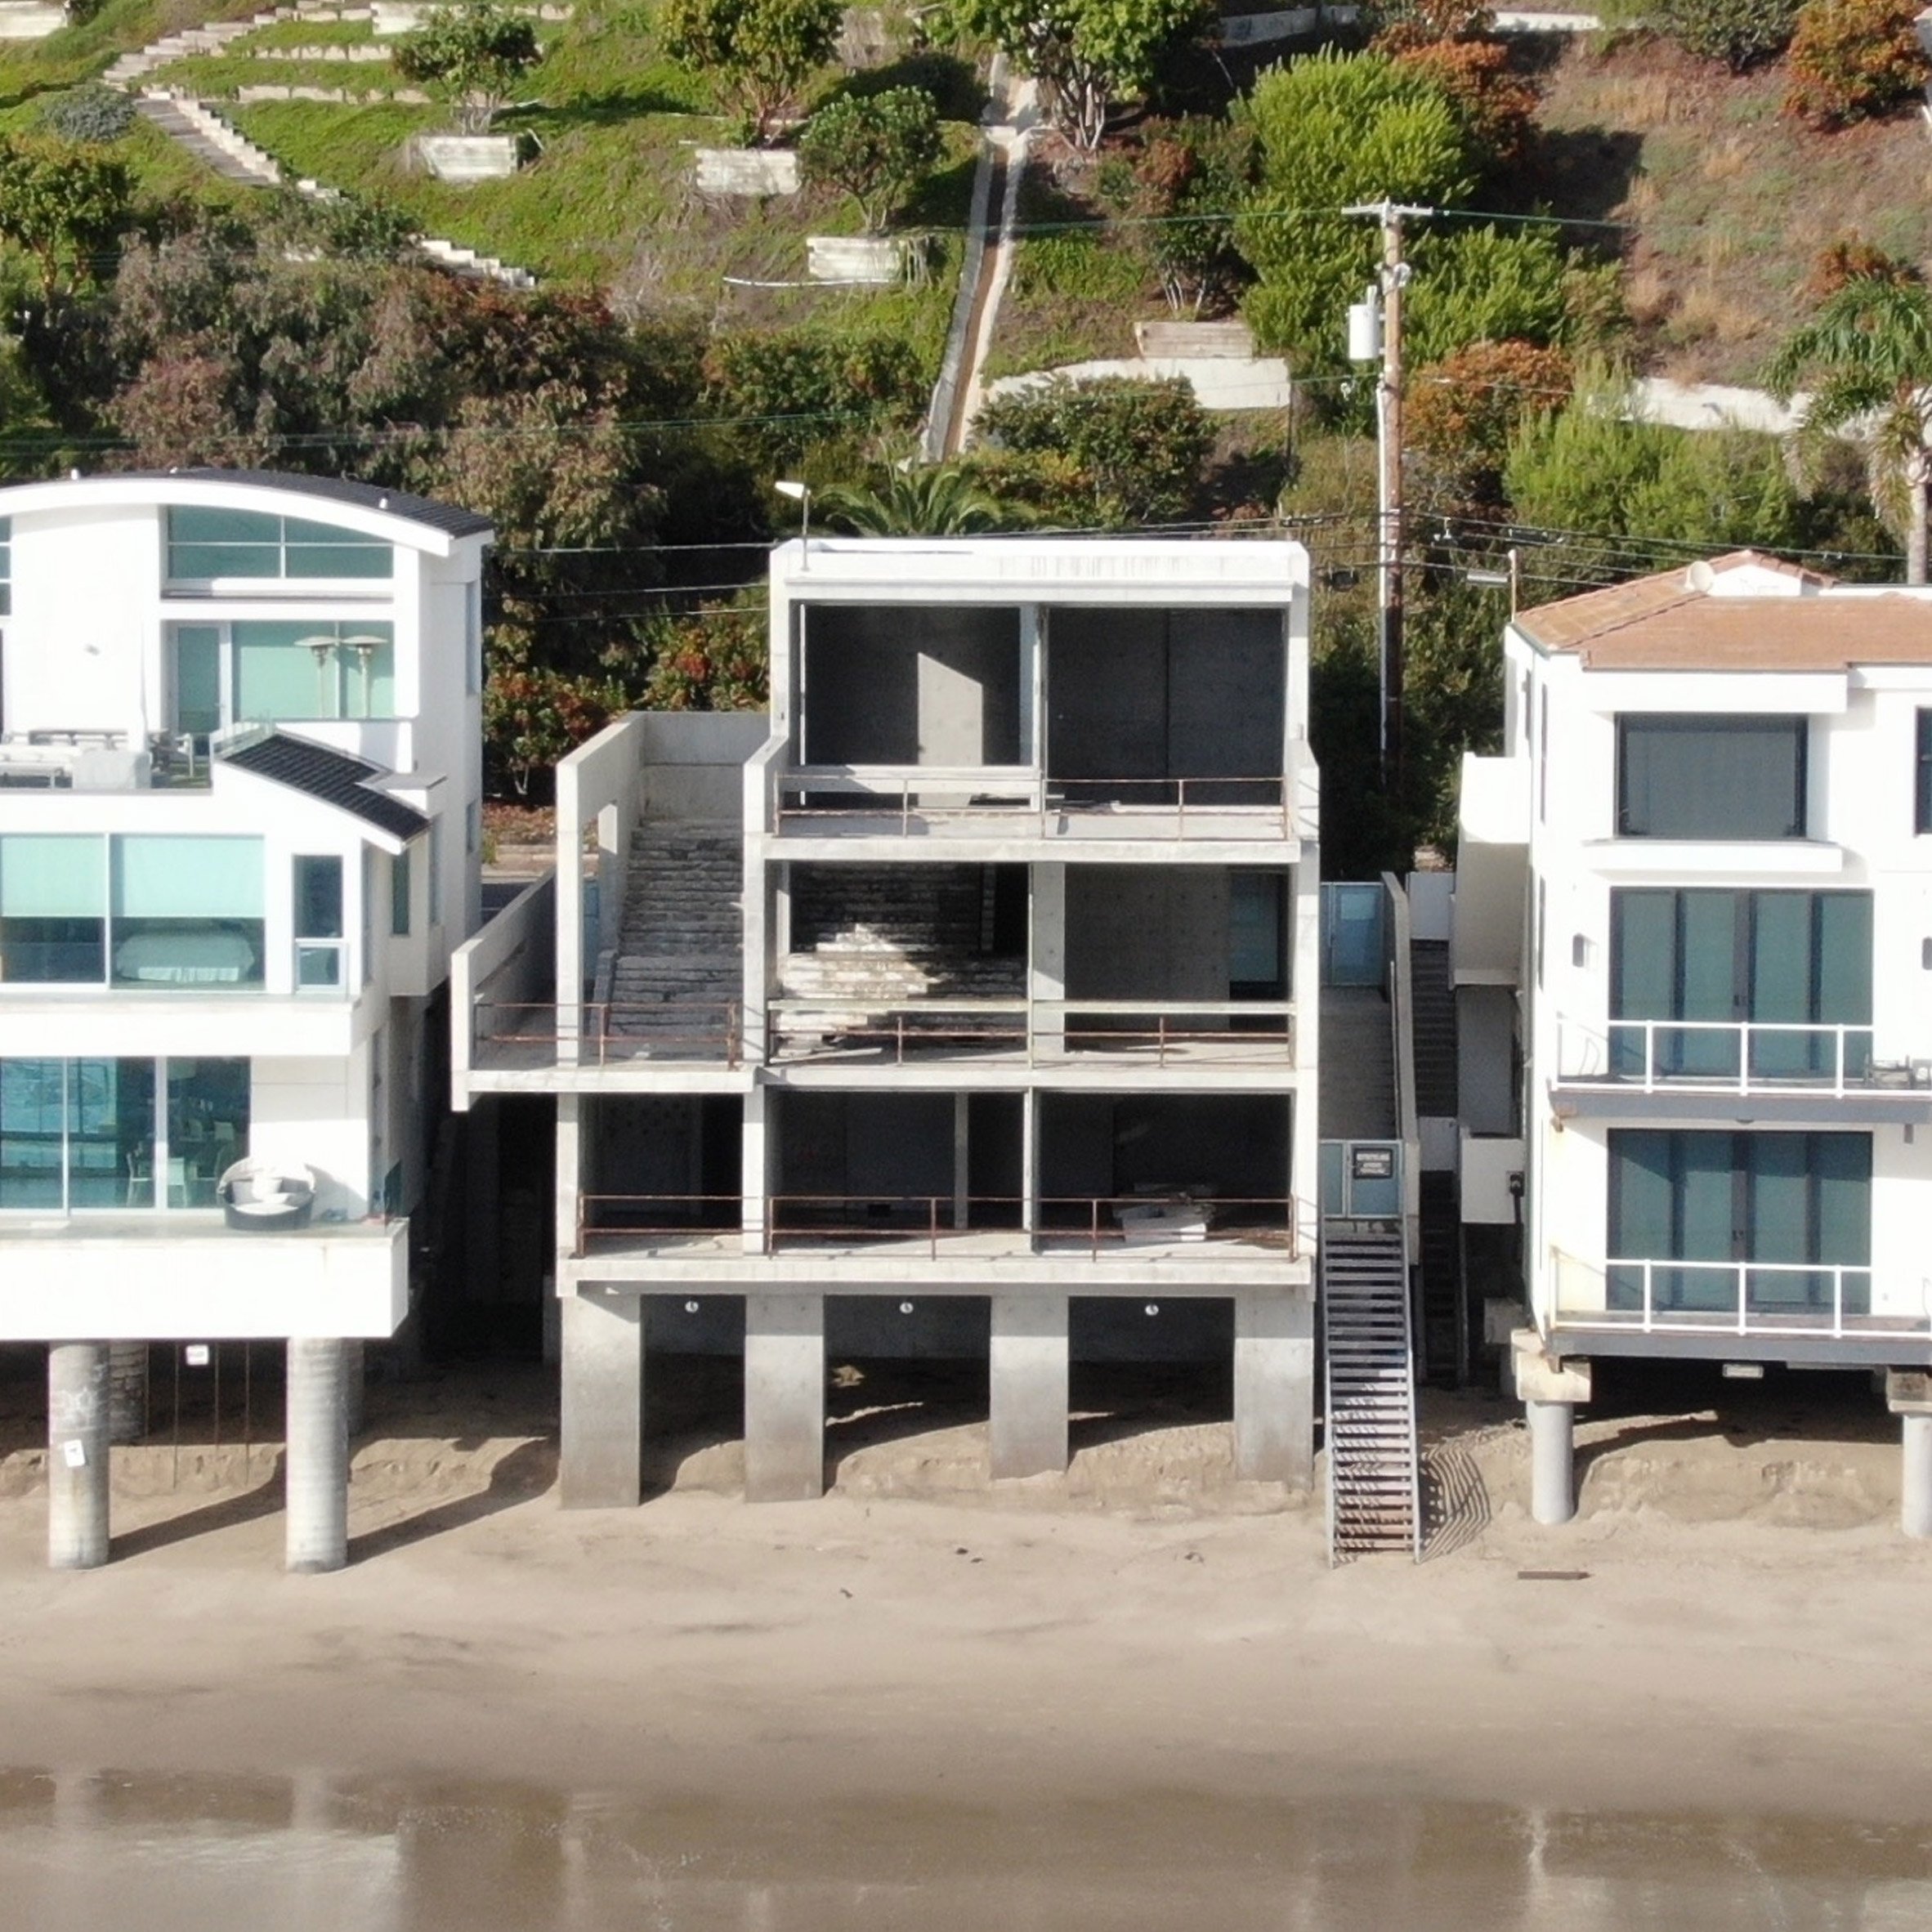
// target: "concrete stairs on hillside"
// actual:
[[1374, 1493], [195, 126]]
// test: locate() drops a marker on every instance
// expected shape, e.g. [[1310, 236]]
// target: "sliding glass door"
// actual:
[[1794, 966], [1774, 1223]]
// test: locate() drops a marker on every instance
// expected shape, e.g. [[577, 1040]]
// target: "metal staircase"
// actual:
[[1374, 1498]]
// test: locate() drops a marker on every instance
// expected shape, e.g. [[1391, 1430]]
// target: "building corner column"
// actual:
[[1026, 1385], [78, 1406], [316, 1472], [602, 1345], [1274, 1387]]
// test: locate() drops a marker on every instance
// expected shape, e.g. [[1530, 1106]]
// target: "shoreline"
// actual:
[[1001, 1652]]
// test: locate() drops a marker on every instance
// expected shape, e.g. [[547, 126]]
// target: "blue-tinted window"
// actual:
[[204, 544]]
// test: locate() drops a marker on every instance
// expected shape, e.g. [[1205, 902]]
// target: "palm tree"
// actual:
[[942, 501], [1867, 356]]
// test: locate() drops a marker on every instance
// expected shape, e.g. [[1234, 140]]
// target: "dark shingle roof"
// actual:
[[331, 776], [446, 517]]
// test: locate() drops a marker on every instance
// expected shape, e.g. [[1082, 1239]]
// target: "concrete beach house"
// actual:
[[962, 1005], [240, 791], [1703, 866]]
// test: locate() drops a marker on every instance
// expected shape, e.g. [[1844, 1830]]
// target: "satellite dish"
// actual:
[[1701, 577]]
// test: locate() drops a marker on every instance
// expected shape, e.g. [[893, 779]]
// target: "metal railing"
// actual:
[[1099, 1226], [1744, 1298], [1727, 1056], [930, 798], [603, 1033], [1194, 1033]]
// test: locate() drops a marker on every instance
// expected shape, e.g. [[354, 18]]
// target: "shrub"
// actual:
[[1853, 259], [1144, 444], [1463, 411], [758, 53], [473, 54], [1854, 60], [61, 202], [1740, 33], [1175, 190], [1497, 104], [1486, 284], [873, 147], [92, 112], [716, 658], [791, 389]]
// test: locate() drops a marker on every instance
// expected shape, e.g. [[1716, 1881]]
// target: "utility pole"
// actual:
[[1386, 298]]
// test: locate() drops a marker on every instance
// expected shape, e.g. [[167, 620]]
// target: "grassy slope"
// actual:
[[607, 201], [1730, 202]]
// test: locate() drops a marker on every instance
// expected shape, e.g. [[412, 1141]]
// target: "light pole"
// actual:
[[1375, 333]]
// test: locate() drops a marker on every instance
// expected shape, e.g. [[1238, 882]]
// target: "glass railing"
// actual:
[[1731, 1056]]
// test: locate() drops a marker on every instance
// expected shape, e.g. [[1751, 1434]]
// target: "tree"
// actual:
[[1085, 54], [939, 501], [1867, 355], [758, 53], [873, 147], [1175, 191], [1854, 60], [473, 55], [1336, 129], [62, 202], [1624, 496], [716, 658], [1143, 444]]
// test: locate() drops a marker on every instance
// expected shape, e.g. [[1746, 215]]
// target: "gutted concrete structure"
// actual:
[[974, 986]]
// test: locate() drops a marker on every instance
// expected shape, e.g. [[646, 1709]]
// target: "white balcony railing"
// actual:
[[1727, 1056], [1719, 1298]]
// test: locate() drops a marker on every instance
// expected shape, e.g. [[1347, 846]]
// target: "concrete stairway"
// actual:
[[1432, 1007], [1443, 1316], [683, 933], [209, 39], [1373, 1493], [193, 125]]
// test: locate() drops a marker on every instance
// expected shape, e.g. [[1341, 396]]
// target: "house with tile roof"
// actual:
[[1693, 912], [240, 795]]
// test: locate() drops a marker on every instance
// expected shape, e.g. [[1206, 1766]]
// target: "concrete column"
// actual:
[[962, 1162], [603, 1400], [1552, 1461], [755, 1178], [784, 1398], [127, 1391], [1047, 954], [77, 1468], [1027, 1382], [353, 1377], [316, 1474], [1916, 1488], [1274, 1387]]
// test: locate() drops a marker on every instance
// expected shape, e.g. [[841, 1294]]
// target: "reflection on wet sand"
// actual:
[[83, 1852]]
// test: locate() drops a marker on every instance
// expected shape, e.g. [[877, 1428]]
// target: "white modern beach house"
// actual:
[[240, 795], [966, 1001], [1702, 870]]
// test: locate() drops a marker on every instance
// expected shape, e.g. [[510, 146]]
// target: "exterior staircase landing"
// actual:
[[678, 968]]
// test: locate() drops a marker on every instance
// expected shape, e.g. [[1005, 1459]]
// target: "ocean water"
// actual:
[[114, 1851]]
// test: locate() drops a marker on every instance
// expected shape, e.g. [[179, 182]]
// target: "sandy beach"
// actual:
[[1733, 1624]]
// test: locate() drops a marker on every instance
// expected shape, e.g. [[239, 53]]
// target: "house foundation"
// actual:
[[1027, 1371], [603, 1400], [77, 1435], [784, 1398], [317, 1468]]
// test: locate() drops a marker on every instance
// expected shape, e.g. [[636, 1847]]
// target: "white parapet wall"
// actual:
[[28, 20], [461, 158], [142, 1277], [874, 260]]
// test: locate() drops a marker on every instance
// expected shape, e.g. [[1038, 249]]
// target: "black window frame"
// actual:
[[1796, 725]]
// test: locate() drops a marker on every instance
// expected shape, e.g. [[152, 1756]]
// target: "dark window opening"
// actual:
[[1707, 778]]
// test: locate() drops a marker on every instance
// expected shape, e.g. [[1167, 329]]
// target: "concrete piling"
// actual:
[[317, 1469], [784, 1398], [1916, 1486], [1026, 1384], [76, 1485], [1552, 1461]]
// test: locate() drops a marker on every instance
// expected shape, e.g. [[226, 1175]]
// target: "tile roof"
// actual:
[[331, 776], [1667, 623], [446, 517]]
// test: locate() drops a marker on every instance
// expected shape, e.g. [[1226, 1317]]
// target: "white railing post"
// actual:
[[1837, 1302]]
